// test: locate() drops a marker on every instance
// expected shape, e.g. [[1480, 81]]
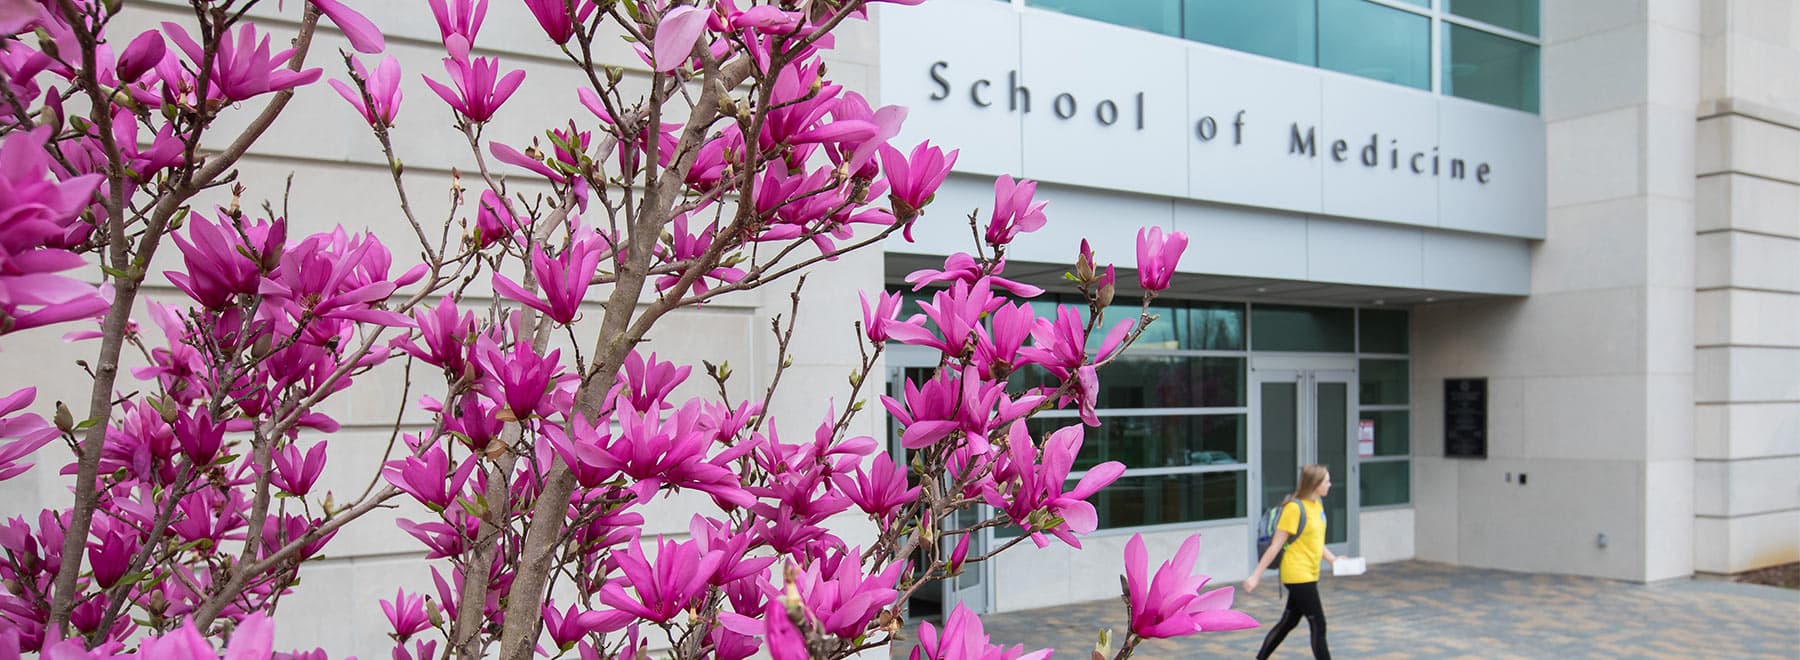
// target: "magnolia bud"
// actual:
[[1105, 295], [65, 420]]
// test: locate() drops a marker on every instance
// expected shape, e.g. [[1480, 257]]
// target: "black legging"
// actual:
[[1303, 600]]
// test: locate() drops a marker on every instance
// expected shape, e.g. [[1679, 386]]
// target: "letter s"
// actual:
[[943, 84]]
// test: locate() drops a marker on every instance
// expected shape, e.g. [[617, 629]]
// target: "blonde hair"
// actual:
[[1310, 478]]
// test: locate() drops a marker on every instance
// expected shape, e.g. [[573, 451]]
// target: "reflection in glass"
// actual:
[[1310, 329], [1393, 431], [1333, 446], [1155, 441], [1215, 327], [1383, 331], [1489, 68], [1385, 382], [1280, 441], [1160, 17], [1282, 29], [1140, 381], [1386, 482], [1381, 43], [1175, 498], [1515, 15]]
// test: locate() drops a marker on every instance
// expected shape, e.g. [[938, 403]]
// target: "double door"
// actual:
[[1305, 411]]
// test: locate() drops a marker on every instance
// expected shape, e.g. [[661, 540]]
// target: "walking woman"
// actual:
[[1300, 563]]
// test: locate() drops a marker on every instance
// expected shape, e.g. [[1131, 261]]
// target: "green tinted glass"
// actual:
[[1372, 41], [1383, 330], [1385, 382], [1490, 68], [1215, 327], [1163, 16], [1309, 329], [1175, 498], [1515, 15], [1135, 381], [1282, 29], [1386, 482], [1393, 430], [1154, 441]]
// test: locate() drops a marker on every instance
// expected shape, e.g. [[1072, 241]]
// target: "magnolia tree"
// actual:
[[192, 508]]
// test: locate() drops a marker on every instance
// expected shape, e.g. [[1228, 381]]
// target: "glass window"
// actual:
[[1215, 327], [1155, 441], [1385, 382], [1168, 332], [1393, 431], [1174, 498], [1136, 381], [1372, 41], [1515, 15], [1312, 329], [1162, 16], [1282, 29], [1386, 482], [1490, 68], [1383, 331]]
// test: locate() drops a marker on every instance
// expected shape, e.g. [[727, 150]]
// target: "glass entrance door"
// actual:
[[1305, 418], [970, 588]]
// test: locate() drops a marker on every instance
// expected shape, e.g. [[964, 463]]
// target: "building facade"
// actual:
[[1525, 275]]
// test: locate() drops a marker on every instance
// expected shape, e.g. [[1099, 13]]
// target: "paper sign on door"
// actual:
[[1365, 438]]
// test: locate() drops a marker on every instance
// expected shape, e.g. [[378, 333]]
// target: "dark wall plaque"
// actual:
[[1465, 417]]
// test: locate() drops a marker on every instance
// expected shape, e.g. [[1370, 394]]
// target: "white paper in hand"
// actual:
[[1349, 566]]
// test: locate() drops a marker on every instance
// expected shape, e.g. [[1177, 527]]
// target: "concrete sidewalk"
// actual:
[[1425, 610]]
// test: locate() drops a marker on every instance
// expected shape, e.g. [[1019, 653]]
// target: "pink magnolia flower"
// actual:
[[676, 35], [242, 68], [19, 15], [28, 430], [887, 308], [35, 213], [458, 21], [493, 220], [294, 474], [480, 89], [521, 380], [857, 155], [384, 90], [646, 383], [553, 16], [664, 588], [446, 331], [144, 52], [1033, 487], [569, 626], [199, 437], [879, 492], [964, 639], [673, 452], [564, 278], [840, 597], [582, 446], [961, 267], [732, 545], [913, 180], [221, 264], [1171, 604], [1014, 211], [361, 32], [1157, 256], [406, 614], [428, 478]]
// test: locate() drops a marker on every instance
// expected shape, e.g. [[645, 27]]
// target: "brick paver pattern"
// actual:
[[1424, 610]]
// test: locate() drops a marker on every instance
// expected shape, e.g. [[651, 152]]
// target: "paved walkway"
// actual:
[[1425, 610]]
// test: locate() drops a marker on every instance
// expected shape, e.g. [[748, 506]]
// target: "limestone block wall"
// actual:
[[1747, 290]]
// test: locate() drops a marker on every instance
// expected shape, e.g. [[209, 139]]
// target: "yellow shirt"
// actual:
[[1300, 563]]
